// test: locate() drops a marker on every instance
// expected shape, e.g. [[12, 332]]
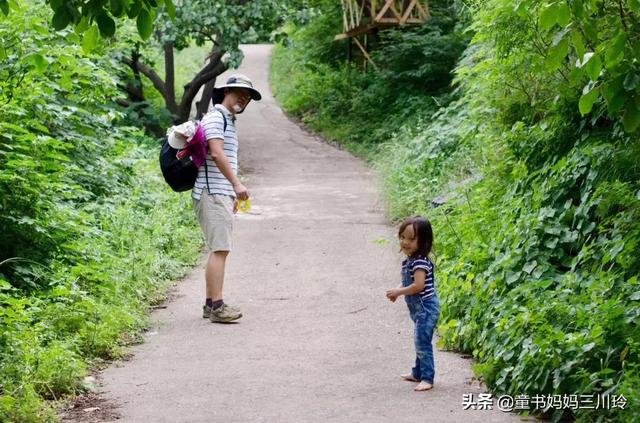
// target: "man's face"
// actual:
[[241, 97]]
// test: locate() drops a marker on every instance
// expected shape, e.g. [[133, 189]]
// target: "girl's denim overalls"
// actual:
[[424, 313]]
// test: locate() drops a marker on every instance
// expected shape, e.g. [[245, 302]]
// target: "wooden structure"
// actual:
[[363, 17]]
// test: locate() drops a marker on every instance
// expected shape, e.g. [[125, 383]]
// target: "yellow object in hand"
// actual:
[[244, 205]]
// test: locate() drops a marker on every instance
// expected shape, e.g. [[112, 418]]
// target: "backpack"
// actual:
[[180, 174]]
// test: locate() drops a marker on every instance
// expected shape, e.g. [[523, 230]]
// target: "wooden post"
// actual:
[[366, 54], [366, 48]]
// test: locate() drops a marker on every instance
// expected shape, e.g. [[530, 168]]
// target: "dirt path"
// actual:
[[319, 341]]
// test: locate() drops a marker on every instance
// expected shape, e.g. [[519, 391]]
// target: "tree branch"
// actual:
[[169, 71], [207, 36], [202, 77], [134, 91], [209, 72], [155, 79], [202, 105], [122, 102], [623, 16]]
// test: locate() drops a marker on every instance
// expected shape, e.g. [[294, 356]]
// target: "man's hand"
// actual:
[[235, 206], [216, 147], [241, 191]]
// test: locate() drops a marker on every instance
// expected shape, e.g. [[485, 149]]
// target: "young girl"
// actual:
[[418, 288]]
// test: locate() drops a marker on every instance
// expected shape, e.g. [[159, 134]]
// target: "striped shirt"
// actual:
[[421, 262], [213, 124]]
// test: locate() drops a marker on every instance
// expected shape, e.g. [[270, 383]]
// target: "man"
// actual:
[[218, 189]]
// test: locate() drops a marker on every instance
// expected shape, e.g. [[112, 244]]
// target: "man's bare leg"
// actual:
[[214, 274]]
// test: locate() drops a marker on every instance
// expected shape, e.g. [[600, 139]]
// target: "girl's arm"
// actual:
[[392, 295], [419, 277]]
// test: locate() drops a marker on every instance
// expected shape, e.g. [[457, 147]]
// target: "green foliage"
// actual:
[[313, 83], [90, 16], [544, 298], [85, 247], [427, 161], [419, 61], [46, 116], [222, 22], [589, 44]]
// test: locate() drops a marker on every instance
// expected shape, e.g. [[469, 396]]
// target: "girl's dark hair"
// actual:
[[424, 232]]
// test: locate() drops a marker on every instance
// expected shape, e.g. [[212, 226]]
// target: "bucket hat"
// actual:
[[179, 136], [237, 81]]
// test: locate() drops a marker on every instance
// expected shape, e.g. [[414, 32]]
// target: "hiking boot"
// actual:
[[206, 311], [225, 314]]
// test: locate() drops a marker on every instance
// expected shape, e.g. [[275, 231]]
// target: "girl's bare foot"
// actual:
[[423, 386], [409, 377]]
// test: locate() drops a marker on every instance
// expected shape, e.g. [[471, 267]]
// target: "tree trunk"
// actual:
[[169, 79], [202, 106], [133, 88]]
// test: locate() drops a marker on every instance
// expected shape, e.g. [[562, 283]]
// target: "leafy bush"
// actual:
[[85, 247]]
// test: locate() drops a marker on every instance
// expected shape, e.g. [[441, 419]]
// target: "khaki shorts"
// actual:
[[215, 215]]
